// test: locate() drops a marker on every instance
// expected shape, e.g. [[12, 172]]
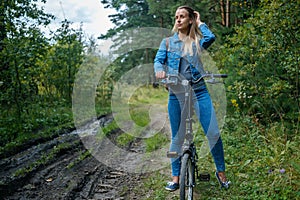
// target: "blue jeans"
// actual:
[[206, 114]]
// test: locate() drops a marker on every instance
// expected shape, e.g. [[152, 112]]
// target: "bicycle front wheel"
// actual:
[[187, 177]]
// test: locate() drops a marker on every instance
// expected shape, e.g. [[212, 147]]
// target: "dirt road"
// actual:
[[62, 168]]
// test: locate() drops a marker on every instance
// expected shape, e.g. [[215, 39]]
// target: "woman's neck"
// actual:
[[182, 35]]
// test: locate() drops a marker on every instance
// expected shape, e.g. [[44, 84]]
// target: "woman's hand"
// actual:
[[198, 21], [160, 74]]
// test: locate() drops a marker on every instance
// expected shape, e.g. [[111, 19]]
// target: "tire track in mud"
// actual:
[[63, 169]]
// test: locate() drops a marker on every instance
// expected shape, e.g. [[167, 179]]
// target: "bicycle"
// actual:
[[189, 156]]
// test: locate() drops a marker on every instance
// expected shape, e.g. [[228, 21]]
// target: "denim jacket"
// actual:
[[168, 60]]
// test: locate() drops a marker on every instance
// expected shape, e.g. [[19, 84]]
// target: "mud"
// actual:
[[62, 169]]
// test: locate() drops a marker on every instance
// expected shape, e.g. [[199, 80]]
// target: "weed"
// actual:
[[124, 139], [81, 157], [155, 142]]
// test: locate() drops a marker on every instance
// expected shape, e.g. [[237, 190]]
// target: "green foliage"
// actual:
[[131, 14], [264, 170], [262, 60], [64, 59], [48, 124], [36, 75], [41, 118], [22, 46]]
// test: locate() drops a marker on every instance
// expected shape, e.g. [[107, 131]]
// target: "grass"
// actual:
[[82, 156], [30, 138], [261, 162], [134, 110], [41, 121], [125, 139], [155, 142]]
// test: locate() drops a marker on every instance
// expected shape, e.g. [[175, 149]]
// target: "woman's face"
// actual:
[[182, 20]]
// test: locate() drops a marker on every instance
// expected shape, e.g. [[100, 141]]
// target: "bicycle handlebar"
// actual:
[[175, 79]]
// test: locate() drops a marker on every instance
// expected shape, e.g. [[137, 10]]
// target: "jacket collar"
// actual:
[[176, 38]]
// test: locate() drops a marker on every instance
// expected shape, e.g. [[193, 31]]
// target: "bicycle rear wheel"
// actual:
[[187, 177]]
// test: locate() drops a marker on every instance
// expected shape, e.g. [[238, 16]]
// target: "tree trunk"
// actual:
[[227, 13], [223, 22]]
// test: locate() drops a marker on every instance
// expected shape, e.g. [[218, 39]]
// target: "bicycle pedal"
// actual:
[[172, 154], [204, 177]]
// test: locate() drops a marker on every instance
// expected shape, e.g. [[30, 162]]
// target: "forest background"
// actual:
[[257, 46]]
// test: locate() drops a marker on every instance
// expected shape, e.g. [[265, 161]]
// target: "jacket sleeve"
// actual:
[[161, 56], [208, 36]]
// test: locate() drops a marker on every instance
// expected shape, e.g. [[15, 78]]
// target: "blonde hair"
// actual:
[[193, 35]]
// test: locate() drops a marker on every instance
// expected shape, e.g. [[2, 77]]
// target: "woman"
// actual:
[[179, 55]]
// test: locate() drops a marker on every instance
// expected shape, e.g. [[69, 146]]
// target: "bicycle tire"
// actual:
[[187, 177]]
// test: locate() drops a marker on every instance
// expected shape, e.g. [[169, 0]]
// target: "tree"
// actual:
[[263, 61], [131, 14], [64, 59], [22, 47], [22, 44]]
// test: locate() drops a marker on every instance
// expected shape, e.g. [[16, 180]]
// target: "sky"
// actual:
[[90, 12]]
